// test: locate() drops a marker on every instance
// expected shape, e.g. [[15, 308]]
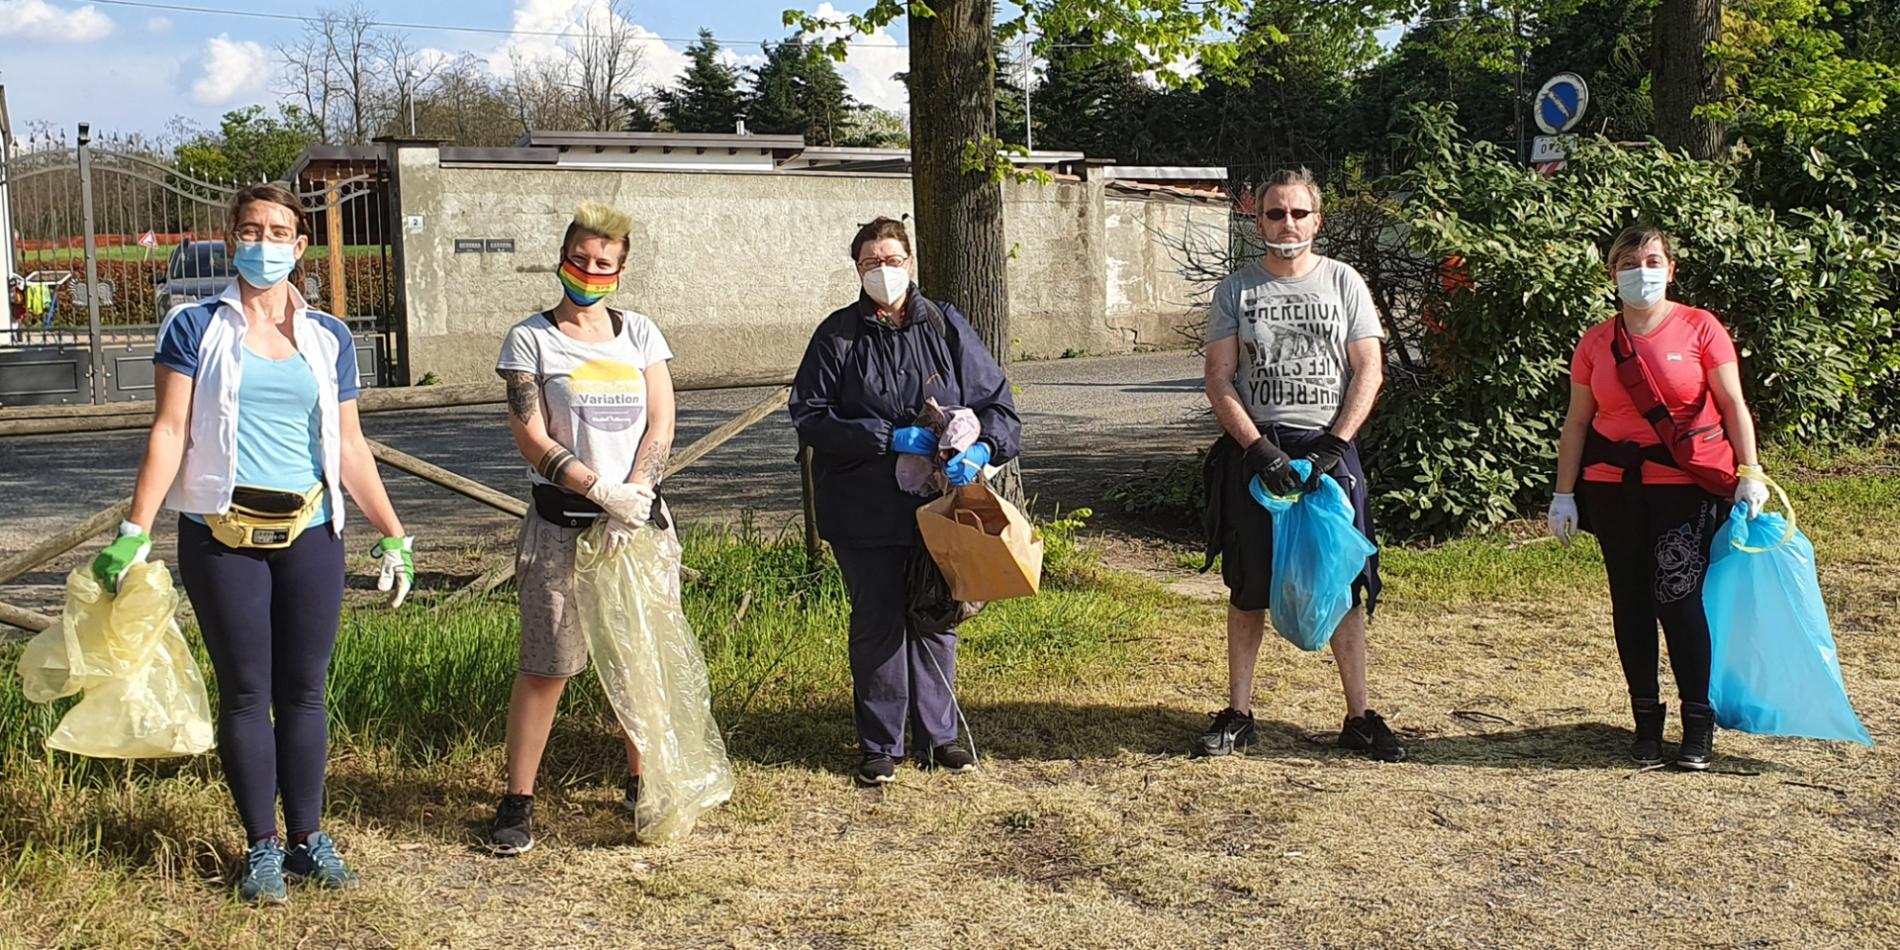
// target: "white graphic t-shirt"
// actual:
[[594, 395], [1293, 334]]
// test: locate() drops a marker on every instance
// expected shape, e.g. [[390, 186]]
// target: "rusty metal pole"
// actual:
[[99, 388]]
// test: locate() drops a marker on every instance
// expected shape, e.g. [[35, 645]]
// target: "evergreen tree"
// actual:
[[1098, 108], [1012, 106], [797, 91], [708, 97], [641, 115]]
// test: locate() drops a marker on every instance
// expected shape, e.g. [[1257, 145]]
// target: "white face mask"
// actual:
[[1289, 250], [1642, 287], [886, 285]]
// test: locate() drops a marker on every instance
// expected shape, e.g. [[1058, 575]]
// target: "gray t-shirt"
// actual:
[[594, 394], [1293, 335]]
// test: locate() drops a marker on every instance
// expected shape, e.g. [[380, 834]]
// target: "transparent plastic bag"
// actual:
[[1318, 550], [145, 697], [650, 665]]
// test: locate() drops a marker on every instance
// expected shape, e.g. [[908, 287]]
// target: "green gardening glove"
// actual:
[[398, 562], [129, 548]]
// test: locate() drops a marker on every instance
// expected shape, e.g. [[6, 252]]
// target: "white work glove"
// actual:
[[1752, 490], [397, 560], [1563, 516], [626, 502], [616, 534]]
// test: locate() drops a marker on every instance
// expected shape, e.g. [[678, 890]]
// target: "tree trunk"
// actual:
[[1683, 75], [962, 254]]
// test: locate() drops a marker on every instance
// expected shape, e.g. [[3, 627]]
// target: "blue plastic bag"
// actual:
[[1317, 553], [1773, 667]]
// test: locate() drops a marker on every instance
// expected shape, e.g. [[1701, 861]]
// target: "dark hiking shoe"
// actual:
[[1698, 737], [1370, 736], [876, 769], [513, 831], [1647, 749], [1232, 730], [950, 758], [263, 881], [316, 861], [630, 792]]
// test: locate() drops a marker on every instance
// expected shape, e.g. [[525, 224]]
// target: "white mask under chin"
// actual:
[[886, 285], [1289, 251]]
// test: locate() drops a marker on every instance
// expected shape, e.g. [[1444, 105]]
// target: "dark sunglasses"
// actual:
[[1280, 214]]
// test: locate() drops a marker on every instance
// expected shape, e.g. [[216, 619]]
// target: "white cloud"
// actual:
[[659, 63], [39, 20], [158, 24], [870, 63], [233, 71]]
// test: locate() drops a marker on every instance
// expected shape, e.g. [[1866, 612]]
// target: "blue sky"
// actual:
[[132, 69]]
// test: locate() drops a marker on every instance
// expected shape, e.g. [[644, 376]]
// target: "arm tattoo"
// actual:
[[653, 464], [524, 394], [554, 462]]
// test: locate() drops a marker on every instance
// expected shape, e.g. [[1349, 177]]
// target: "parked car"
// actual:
[[197, 269]]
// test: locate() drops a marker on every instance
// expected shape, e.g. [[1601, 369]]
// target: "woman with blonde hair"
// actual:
[[590, 405], [1656, 427], [254, 439]]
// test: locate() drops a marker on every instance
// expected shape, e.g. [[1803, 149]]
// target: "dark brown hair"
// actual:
[[877, 230], [276, 193], [1638, 237]]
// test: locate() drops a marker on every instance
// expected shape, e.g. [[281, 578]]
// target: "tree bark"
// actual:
[[1683, 75], [962, 256]]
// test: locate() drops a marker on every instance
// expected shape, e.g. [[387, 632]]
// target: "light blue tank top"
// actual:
[[279, 429]]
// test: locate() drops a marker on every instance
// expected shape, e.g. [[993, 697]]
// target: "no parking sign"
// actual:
[[1559, 105]]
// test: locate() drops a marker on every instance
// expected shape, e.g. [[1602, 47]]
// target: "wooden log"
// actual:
[[333, 232], [436, 474], [108, 517], [25, 619]]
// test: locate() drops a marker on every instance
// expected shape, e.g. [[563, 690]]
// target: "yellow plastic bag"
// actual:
[[651, 667], [145, 698]]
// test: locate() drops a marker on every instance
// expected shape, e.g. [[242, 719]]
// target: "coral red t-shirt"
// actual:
[[1681, 353]]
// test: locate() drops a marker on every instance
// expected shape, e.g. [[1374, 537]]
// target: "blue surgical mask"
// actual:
[[1642, 287], [265, 264]]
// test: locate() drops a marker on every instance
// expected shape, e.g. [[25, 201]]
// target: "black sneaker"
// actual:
[[1369, 734], [630, 792], [1698, 737], [876, 769], [513, 831], [1646, 750], [1232, 730], [950, 758]]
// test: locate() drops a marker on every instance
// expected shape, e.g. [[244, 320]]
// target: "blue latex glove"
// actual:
[[914, 440], [968, 464]]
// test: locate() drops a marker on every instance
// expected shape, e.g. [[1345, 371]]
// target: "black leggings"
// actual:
[[269, 620], [1655, 541]]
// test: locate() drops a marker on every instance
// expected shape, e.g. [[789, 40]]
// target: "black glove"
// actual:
[[1325, 454], [1274, 468]]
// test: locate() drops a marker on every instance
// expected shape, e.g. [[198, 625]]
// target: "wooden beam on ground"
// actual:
[[64, 541], [25, 619], [64, 420], [436, 474]]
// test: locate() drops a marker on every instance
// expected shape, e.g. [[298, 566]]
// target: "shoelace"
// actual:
[[323, 853], [265, 863]]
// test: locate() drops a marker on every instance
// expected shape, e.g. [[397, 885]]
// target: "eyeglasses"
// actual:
[[252, 233], [1281, 214], [871, 262]]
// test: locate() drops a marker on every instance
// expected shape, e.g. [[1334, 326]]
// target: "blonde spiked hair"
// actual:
[[593, 219]]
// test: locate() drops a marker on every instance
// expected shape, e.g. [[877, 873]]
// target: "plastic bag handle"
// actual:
[[1786, 536]]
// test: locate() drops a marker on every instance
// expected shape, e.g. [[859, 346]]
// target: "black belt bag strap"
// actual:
[[558, 506]]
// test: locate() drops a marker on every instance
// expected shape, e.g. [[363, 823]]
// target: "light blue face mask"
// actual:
[[265, 264], [1642, 287]]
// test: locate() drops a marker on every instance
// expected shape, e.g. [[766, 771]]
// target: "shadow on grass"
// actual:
[[1582, 745]]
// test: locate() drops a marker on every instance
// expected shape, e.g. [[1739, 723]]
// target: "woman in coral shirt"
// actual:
[[1653, 516]]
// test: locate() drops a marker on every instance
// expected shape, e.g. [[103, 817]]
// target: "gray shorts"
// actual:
[[552, 643]]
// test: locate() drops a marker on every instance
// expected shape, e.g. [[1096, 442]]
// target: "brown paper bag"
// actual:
[[986, 549]]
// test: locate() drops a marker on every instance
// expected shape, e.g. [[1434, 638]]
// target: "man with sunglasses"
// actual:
[[1293, 365]]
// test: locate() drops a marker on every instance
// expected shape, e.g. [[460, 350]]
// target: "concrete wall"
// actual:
[[737, 268], [1152, 246]]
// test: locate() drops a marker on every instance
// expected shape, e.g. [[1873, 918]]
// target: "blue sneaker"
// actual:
[[316, 860], [263, 881]]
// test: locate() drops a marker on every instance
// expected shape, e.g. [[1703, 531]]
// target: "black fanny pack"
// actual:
[[558, 506]]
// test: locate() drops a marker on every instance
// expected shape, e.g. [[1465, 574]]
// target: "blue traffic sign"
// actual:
[[1559, 105]]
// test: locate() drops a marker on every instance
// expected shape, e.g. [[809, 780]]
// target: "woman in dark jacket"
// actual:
[[868, 370]]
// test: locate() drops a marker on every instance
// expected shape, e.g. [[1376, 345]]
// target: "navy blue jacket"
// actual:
[[859, 381]]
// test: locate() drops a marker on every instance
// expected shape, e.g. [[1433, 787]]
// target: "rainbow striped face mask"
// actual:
[[586, 289]]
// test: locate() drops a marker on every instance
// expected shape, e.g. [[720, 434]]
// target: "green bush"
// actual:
[[1469, 437]]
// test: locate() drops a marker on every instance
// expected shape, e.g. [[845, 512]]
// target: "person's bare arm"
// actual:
[[528, 425], [1725, 385], [656, 446], [359, 474], [1217, 377], [1583, 408], [1367, 359], [164, 445]]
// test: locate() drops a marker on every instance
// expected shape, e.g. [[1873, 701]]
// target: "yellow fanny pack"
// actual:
[[265, 517]]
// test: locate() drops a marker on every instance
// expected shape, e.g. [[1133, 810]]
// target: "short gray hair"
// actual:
[[1287, 178]]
